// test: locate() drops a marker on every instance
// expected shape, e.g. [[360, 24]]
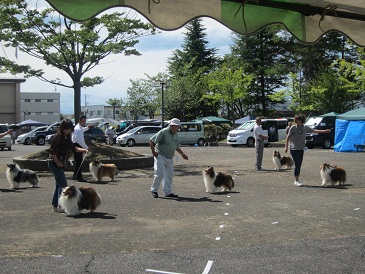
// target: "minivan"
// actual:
[[243, 135], [325, 140], [191, 133]]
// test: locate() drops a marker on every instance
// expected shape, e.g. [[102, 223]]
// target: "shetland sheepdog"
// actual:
[[332, 174], [100, 170], [74, 199], [16, 175], [280, 162], [214, 180]]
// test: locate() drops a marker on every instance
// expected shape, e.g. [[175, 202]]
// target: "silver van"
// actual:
[[191, 133]]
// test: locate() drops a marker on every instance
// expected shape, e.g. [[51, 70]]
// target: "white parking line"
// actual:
[[205, 271]]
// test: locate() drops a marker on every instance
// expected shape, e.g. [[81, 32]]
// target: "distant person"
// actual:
[[259, 143], [163, 146], [296, 138], [79, 141], [272, 133], [60, 150], [118, 129], [110, 132]]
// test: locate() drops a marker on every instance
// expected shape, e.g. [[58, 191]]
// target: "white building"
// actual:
[[40, 106], [101, 111]]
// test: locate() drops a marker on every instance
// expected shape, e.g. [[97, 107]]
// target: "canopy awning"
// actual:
[[307, 20]]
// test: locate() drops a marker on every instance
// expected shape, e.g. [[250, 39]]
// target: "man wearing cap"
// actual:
[[163, 145]]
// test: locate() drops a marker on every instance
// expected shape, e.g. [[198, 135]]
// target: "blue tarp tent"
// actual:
[[350, 130]]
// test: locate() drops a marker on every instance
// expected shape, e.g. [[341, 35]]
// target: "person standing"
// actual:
[[163, 146], [296, 138], [79, 141], [110, 133], [259, 143], [60, 150]]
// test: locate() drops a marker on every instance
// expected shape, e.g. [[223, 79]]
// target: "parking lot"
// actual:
[[265, 225]]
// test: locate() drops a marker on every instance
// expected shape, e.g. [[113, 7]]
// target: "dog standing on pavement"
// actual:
[[332, 175], [100, 170], [213, 180], [16, 175], [280, 161]]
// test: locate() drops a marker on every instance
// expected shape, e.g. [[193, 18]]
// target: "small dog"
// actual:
[[332, 174], [100, 170], [282, 161], [213, 180], [16, 175], [74, 199]]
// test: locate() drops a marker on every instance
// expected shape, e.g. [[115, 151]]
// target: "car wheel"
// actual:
[[9, 148], [27, 141], [310, 146], [131, 143], [234, 145], [201, 142], [41, 141], [250, 142], [2, 148], [326, 144]]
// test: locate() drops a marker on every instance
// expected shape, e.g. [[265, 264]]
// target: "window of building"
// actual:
[[50, 100], [38, 113], [38, 100], [99, 112], [91, 113], [27, 100]]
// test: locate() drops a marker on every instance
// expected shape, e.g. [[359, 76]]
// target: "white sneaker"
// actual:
[[297, 183]]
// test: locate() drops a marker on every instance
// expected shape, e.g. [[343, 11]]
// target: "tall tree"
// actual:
[[74, 48], [262, 55], [193, 62]]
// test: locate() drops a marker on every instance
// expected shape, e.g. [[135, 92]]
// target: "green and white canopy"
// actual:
[[307, 20]]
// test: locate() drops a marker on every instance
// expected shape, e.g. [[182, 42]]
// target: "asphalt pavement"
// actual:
[[265, 225]]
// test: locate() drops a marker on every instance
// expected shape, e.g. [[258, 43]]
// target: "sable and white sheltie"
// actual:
[[100, 170], [74, 199], [16, 175], [213, 180], [280, 162], [332, 174]]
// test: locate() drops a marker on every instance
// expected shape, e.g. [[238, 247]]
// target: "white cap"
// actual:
[[175, 122]]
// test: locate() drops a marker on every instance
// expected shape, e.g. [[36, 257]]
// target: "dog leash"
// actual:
[[83, 159]]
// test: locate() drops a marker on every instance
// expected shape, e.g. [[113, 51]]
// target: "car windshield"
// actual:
[[313, 121], [133, 130], [246, 125], [3, 128]]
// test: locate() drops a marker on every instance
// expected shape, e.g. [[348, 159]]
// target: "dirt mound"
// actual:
[[96, 150]]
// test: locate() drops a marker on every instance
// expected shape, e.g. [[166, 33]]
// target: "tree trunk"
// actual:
[[77, 100]]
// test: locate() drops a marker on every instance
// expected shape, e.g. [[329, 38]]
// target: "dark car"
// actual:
[[92, 135], [324, 140], [39, 137]]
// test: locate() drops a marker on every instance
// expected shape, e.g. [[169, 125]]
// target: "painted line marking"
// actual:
[[228, 196], [274, 223], [207, 267], [227, 203], [218, 238], [357, 208], [205, 271], [221, 226]]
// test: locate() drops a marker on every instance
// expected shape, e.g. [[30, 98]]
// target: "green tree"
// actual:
[[262, 55], [74, 48], [192, 63], [116, 103]]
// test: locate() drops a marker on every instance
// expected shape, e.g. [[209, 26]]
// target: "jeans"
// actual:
[[61, 181], [298, 159], [164, 171], [78, 156]]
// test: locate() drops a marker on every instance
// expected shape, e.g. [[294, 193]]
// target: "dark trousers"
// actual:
[[78, 156], [298, 159]]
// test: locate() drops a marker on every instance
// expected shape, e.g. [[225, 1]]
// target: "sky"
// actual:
[[119, 69]]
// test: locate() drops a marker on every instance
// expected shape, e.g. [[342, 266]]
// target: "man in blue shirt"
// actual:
[[163, 146]]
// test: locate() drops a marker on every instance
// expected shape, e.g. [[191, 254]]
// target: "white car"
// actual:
[[25, 138], [137, 136], [5, 142]]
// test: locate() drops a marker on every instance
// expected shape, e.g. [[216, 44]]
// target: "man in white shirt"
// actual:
[[79, 141], [259, 143]]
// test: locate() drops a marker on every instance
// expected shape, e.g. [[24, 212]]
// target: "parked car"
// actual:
[[25, 138], [191, 133], [134, 125], [325, 140], [137, 136], [39, 137], [243, 135], [92, 135], [5, 142]]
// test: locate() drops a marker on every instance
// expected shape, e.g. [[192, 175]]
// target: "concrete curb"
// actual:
[[122, 164]]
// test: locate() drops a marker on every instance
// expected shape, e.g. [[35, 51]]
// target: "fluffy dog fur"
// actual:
[[332, 175], [280, 162], [100, 170], [16, 175], [214, 180], [74, 199]]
